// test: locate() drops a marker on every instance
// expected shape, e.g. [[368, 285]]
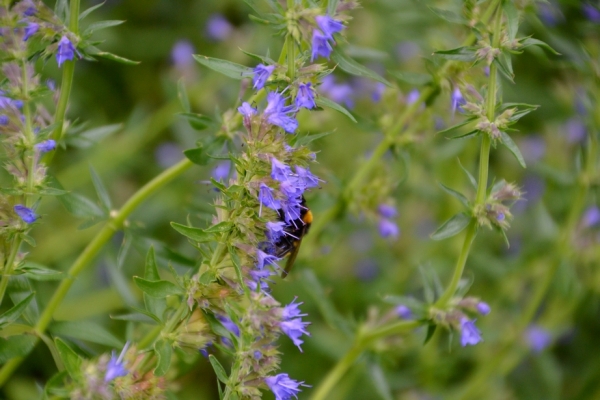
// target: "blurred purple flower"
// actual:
[[247, 110], [182, 53], [378, 91], [533, 148], [387, 211], [116, 366], [366, 270], [483, 308], [305, 97], [403, 312], [30, 30], [46, 146], [25, 213], [550, 13], [328, 26], [340, 93], [591, 217], [3, 120], [320, 46], [65, 51], [229, 324], [168, 154], [591, 12], [576, 130], [469, 334], [283, 387], [388, 228], [413, 96], [537, 338], [222, 170], [407, 50], [218, 27], [457, 100]]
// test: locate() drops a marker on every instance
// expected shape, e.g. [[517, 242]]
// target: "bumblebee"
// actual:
[[289, 244]]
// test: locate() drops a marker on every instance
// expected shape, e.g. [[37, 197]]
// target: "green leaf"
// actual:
[[325, 102], [235, 260], [90, 137], [39, 272], [101, 191], [198, 156], [135, 317], [471, 177], [87, 331], [303, 140], [90, 10], [510, 145], [467, 135], [153, 305], [227, 68], [148, 314], [354, 68], [413, 78], [430, 331], [452, 227], [116, 58], [512, 16], [197, 121], [535, 42], [195, 234], [466, 53], [522, 110], [332, 7], [504, 62], [81, 206], [221, 227], [61, 9], [182, 96], [16, 346], [70, 359], [378, 380], [456, 127], [462, 198], [124, 249], [219, 370], [163, 351], [15, 312], [449, 16], [158, 289], [97, 26]]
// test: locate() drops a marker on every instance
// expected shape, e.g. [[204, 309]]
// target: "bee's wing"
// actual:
[[291, 258]]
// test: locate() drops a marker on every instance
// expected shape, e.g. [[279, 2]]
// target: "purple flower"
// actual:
[[291, 210], [291, 189], [470, 335], [328, 26], [306, 178], [3, 120], [591, 12], [182, 54], [591, 217], [30, 30], [292, 310], [247, 110], [116, 366], [305, 97], [26, 213], [320, 46], [387, 211], [283, 387], [378, 91], [550, 14], [457, 101], [261, 74], [229, 324], [280, 171], [295, 328], [576, 130], [413, 96], [65, 51], [340, 93], [407, 50], [388, 228], [537, 338], [275, 230], [46, 146], [483, 308], [218, 27], [403, 312], [279, 114], [265, 196], [263, 259], [221, 171]]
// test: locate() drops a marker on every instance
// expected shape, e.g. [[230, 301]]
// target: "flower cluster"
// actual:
[[322, 38], [457, 317]]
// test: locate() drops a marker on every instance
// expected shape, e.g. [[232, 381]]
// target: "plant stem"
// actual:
[[92, 250]]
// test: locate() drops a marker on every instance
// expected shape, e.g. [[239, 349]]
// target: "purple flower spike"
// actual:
[[388, 228], [65, 52], [295, 328], [320, 46], [116, 366], [247, 110], [30, 30], [25, 213], [280, 171], [328, 26], [306, 96], [46, 146], [283, 387], [261, 74], [470, 335], [483, 308]]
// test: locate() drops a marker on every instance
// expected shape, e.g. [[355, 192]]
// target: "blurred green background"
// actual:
[[356, 267]]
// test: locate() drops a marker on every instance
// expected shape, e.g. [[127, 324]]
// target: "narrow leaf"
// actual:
[[227, 68], [158, 289], [535, 42], [70, 359], [80, 206], [116, 58], [195, 234], [90, 10], [510, 145], [219, 370], [471, 177], [449, 16], [100, 190], [354, 68], [462, 198], [16, 346], [455, 127], [452, 227], [221, 227], [156, 306], [412, 78], [182, 96], [430, 331], [325, 102], [39, 272], [332, 6], [512, 16], [96, 26], [86, 330], [467, 53], [15, 312], [163, 351]]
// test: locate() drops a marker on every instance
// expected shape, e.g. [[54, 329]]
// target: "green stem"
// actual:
[[93, 248]]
